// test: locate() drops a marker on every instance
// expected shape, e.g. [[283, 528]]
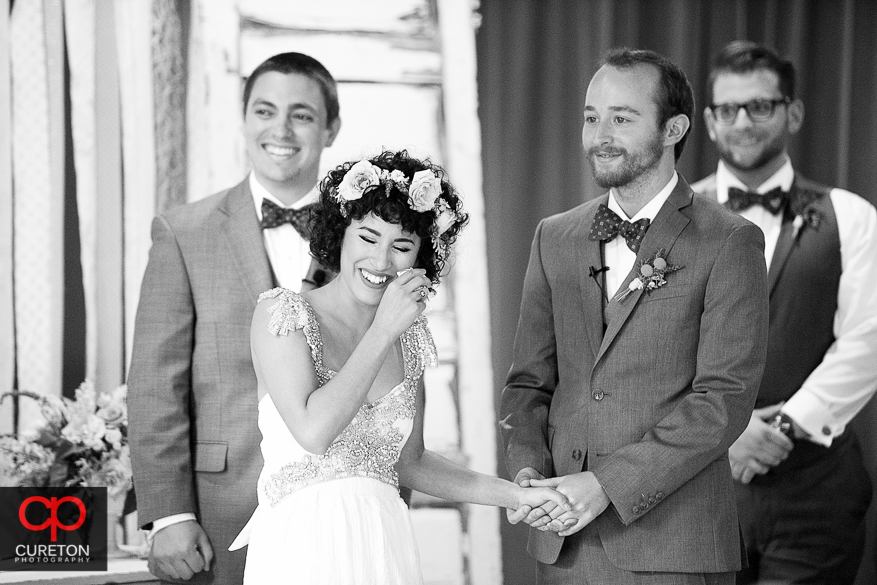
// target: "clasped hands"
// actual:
[[761, 447], [584, 493]]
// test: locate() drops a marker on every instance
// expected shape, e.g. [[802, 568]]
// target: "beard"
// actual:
[[632, 166], [769, 152]]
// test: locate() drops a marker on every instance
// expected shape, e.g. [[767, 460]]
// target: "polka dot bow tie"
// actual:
[[773, 200], [273, 215], [607, 225]]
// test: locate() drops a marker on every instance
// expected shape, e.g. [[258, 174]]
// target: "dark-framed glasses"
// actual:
[[758, 110]]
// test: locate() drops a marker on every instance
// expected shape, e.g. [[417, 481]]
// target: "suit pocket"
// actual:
[[668, 291], [210, 456]]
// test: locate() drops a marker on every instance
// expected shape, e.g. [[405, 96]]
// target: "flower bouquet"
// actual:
[[84, 442]]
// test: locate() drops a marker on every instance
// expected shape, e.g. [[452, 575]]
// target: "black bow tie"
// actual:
[[773, 200], [273, 215], [607, 225]]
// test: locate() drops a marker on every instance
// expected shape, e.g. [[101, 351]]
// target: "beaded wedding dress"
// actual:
[[335, 518]]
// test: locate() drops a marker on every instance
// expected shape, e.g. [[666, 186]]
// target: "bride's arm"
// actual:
[[316, 415], [430, 473]]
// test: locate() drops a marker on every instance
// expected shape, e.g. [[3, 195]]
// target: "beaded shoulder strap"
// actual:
[[292, 313], [418, 349]]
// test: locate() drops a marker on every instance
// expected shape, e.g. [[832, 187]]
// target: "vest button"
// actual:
[[598, 394], [576, 454], [826, 431]]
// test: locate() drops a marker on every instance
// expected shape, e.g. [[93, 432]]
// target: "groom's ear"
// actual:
[[675, 129]]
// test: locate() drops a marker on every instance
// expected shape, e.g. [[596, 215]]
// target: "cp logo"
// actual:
[[52, 506]]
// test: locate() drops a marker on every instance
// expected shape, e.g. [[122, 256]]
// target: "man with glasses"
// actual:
[[802, 490]]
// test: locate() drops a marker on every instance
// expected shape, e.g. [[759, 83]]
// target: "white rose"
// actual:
[[445, 220], [425, 189], [360, 177]]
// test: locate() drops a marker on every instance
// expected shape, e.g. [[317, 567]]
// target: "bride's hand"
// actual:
[[403, 300], [535, 497]]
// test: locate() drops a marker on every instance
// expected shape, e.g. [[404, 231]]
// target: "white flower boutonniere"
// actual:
[[809, 217], [651, 275]]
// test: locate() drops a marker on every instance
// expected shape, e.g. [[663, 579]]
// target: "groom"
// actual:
[[639, 350]]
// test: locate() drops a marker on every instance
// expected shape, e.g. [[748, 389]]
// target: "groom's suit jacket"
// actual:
[[193, 408], [652, 404]]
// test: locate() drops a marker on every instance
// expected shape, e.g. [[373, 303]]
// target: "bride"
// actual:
[[341, 391]]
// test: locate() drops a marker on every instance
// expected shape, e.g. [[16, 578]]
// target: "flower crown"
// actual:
[[424, 195]]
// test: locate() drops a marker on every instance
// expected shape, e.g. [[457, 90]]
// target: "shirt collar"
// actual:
[[650, 209], [725, 178], [259, 192]]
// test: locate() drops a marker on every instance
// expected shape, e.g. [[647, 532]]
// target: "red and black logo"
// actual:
[[53, 529]]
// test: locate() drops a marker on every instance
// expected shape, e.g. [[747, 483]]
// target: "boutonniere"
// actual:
[[651, 275], [808, 218]]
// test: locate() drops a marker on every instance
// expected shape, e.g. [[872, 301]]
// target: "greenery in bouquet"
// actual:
[[83, 442]]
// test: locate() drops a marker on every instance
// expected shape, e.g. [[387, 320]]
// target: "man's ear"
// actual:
[[795, 116], [334, 127], [710, 122], [675, 129]]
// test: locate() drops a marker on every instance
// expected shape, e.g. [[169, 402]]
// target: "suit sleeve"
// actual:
[[730, 360], [533, 376], [159, 383]]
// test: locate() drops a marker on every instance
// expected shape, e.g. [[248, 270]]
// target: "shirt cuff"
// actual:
[[809, 413], [168, 521]]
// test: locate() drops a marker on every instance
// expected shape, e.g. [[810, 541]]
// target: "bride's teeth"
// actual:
[[373, 278]]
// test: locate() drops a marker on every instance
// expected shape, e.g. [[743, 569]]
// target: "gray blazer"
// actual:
[[192, 389], [652, 405]]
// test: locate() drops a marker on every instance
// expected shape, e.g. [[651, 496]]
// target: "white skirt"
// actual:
[[353, 531]]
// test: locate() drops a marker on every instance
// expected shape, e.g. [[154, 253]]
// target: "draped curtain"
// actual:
[[535, 60]]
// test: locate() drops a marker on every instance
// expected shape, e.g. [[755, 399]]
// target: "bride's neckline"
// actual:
[[330, 373]]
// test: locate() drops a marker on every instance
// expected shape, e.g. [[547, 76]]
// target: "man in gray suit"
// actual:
[[192, 388], [637, 358]]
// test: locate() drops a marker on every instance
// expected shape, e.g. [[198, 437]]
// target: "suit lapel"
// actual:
[[781, 253], [662, 234], [245, 242], [591, 288]]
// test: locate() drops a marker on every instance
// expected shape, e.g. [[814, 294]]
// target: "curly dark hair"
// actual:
[[328, 223]]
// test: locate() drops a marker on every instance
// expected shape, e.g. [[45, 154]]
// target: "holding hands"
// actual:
[[760, 447], [582, 491]]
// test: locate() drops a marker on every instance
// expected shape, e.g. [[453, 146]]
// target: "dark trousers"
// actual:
[[804, 521]]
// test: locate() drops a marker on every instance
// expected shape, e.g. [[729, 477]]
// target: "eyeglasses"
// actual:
[[758, 110]]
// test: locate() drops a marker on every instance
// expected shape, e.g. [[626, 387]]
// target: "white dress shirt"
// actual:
[[616, 255], [847, 377], [289, 255]]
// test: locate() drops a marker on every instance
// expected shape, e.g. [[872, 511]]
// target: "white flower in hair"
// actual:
[[357, 180], [424, 190], [445, 219]]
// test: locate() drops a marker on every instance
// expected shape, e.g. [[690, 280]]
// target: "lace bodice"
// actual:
[[371, 443]]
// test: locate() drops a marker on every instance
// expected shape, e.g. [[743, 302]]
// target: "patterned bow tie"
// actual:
[[607, 225], [773, 200], [273, 215]]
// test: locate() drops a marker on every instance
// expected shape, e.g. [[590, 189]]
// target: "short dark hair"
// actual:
[[329, 223], [288, 63], [674, 95], [746, 57]]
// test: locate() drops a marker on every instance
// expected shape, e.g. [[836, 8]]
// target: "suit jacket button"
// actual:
[[826, 431], [652, 500], [659, 496], [576, 454], [636, 510], [598, 394]]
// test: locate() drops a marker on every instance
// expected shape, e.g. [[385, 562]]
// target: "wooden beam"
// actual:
[[477, 410], [7, 314]]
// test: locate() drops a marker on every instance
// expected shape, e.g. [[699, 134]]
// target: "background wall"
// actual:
[[535, 60]]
